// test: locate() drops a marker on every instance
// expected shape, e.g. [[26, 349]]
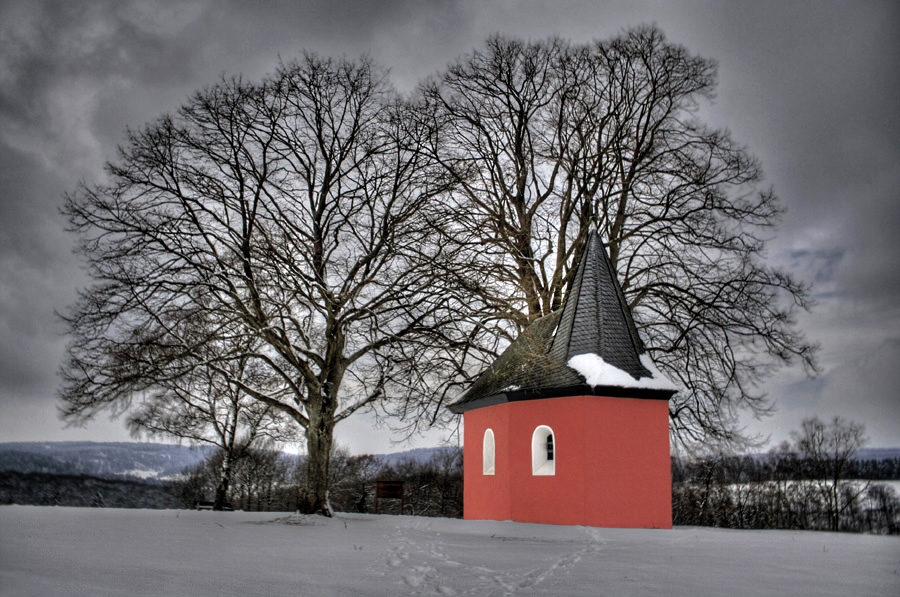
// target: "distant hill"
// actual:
[[128, 460], [416, 454], [878, 453], [157, 462], [120, 460]]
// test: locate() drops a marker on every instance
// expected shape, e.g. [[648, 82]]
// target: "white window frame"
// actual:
[[488, 453], [540, 464]]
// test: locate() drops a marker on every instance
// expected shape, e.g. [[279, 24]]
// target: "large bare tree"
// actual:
[[547, 139], [291, 212]]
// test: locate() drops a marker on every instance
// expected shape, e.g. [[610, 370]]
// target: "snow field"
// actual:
[[98, 552]]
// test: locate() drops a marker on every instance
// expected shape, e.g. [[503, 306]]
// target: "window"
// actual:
[[487, 453], [543, 451]]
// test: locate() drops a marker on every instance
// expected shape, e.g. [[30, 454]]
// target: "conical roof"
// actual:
[[590, 346]]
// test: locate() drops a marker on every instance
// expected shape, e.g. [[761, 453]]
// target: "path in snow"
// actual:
[[97, 552], [450, 562]]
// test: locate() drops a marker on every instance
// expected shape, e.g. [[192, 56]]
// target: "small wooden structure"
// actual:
[[200, 505], [390, 490]]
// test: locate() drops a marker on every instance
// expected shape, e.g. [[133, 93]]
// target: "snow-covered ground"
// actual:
[[69, 551]]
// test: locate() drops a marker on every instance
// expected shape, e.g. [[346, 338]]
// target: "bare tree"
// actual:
[[352, 482], [547, 139], [828, 451], [186, 374], [291, 212], [205, 407], [261, 475]]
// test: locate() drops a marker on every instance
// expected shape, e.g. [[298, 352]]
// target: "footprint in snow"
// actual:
[[413, 581]]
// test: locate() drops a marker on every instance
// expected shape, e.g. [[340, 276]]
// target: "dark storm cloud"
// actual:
[[36, 274], [81, 72], [73, 76], [31, 225], [862, 388], [63, 68], [66, 80], [813, 90], [810, 88]]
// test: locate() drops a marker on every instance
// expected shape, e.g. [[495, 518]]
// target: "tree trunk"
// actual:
[[224, 483], [313, 498]]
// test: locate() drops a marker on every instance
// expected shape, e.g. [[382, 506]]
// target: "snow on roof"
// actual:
[[590, 346], [598, 372]]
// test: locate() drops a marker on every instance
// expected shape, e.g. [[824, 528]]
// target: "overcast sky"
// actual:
[[810, 87]]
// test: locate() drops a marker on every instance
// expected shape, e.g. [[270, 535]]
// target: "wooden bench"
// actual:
[[209, 506]]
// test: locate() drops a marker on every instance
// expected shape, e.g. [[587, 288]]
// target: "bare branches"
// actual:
[[548, 139], [355, 250], [295, 214]]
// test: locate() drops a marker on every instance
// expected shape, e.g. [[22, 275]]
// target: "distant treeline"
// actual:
[[771, 467], [785, 491], [47, 489], [874, 470], [799, 486], [264, 480]]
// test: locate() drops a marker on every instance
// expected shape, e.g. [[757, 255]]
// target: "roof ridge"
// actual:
[[623, 302], [607, 328], [541, 361], [574, 290]]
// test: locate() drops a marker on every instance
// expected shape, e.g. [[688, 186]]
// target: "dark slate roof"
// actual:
[[594, 319]]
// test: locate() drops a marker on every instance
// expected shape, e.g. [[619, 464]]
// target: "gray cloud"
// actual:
[[811, 88], [37, 274], [860, 388]]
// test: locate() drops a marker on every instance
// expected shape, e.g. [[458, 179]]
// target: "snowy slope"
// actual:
[[99, 552]]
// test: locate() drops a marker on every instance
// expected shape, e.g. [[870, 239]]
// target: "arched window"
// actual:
[[487, 453], [543, 451]]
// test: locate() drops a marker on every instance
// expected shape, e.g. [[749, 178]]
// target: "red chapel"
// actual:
[[570, 425]]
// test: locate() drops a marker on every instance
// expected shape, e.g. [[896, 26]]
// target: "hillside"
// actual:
[[157, 461], [134, 460], [128, 460], [877, 453]]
